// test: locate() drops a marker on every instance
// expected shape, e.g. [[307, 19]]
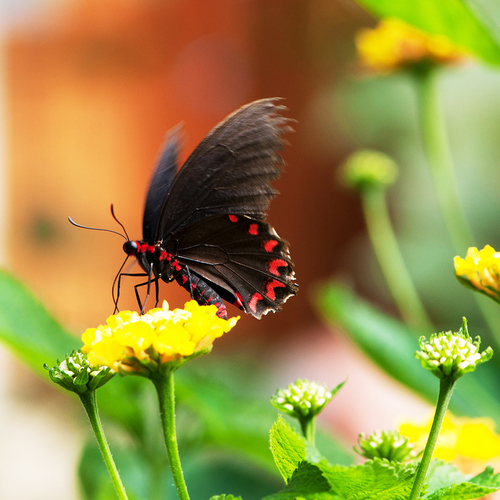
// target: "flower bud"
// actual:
[[386, 444], [369, 169], [451, 355], [75, 373], [303, 399]]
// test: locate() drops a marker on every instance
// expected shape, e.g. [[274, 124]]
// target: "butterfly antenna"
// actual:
[[98, 228], [121, 225]]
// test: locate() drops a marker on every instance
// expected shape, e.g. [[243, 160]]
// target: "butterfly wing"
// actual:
[[242, 259], [229, 172], [163, 176]]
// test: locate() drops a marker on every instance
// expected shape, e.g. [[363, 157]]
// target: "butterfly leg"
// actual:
[[200, 291], [138, 297], [118, 288]]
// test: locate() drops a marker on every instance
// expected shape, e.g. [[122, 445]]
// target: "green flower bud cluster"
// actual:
[[302, 399], [368, 169], [451, 355], [390, 445], [75, 373]]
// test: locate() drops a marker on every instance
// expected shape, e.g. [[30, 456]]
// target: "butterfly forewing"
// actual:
[[229, 172], [163, 176]]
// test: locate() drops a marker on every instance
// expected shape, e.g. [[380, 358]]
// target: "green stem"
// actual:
[[441, 167], [308, 426], [445, 392], [164, 384], [390, 260], [90, 404]]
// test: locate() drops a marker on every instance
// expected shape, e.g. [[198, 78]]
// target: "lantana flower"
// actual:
[[143, 344], [393, 44], [480, 271], [470, 443]]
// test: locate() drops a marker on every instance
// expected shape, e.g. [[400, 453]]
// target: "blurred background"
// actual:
[[89, 88]]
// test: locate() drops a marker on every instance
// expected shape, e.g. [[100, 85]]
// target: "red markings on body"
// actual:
[[184, 280], [253, 301], [272, 266], [253, 229], [269, 245], [270, 288], [142, 247], [233, 218], [163, 256]]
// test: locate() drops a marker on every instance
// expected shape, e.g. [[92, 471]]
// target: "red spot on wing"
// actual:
[[233, 218], [269, 245], [272, 266], [253, 301], [270, 288], [253, 229], [238, 301]]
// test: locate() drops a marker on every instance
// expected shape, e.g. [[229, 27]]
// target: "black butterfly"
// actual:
[[204, 225]]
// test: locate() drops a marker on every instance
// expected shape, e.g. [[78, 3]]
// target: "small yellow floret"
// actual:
[[393, 44], [129, 341], [482, 269]]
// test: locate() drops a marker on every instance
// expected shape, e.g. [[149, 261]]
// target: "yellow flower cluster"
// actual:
[[481, 270], [129, 342], [470, 443], [393, 44]]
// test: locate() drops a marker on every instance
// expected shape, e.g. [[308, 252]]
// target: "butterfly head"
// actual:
[[131, 247]]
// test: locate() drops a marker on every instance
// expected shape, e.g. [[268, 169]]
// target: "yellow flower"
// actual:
[[393, 44], [129, 342], [480, 270], [470, 443]]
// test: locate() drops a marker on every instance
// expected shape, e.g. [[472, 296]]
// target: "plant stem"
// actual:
[[389, 257], [90, 404], [164, 384], [441, 167], [445, 391], [308, 426]]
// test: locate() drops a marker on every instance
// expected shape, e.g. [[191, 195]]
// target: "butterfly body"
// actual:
[[204, 225]]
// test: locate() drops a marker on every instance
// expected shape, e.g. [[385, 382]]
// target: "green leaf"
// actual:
[[28, 329], [373, 480], [392, 345], [441, 475], [306, 482], [462, 491], [459, 20], [287, 447], [487, 478]]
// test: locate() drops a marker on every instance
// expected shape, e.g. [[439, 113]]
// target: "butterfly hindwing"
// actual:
[[243, 259]]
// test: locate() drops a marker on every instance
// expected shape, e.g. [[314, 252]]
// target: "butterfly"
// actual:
[[204, 224]]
